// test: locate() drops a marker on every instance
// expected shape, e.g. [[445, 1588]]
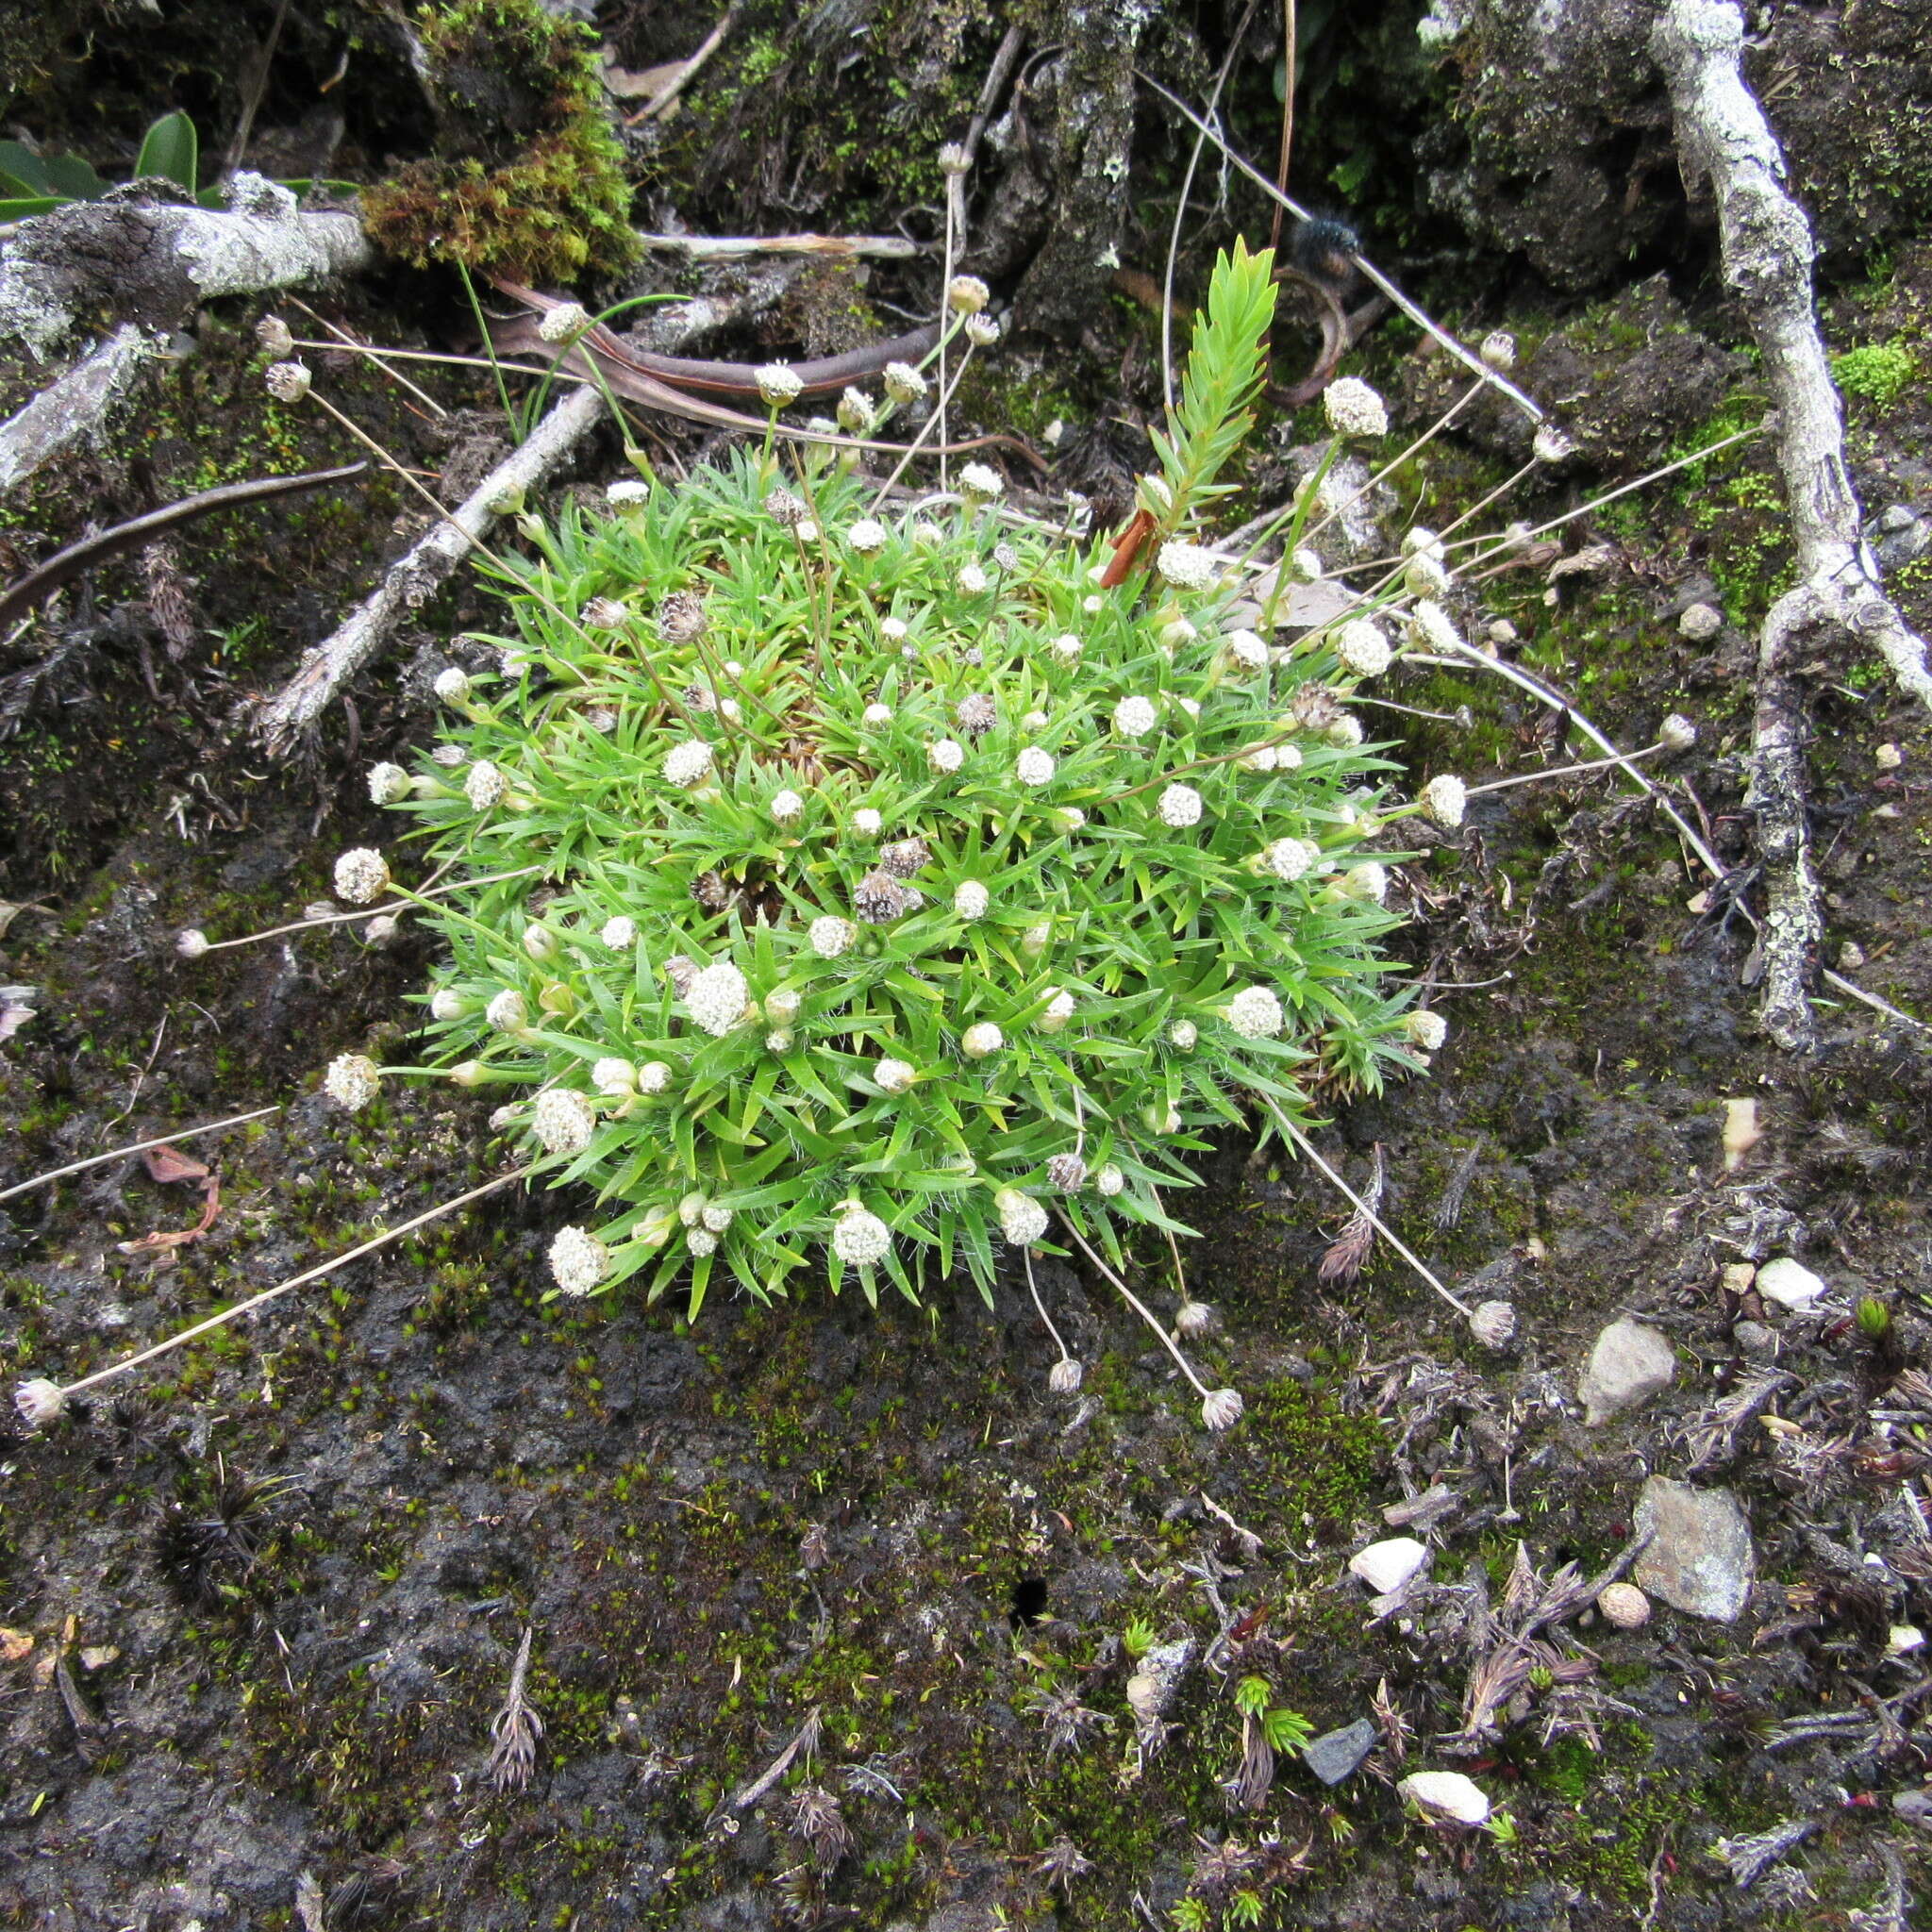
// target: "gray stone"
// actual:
[[1337, 1755], [1755, 1338], [1700, 1559], [1628, 1365], [1915, 1807]]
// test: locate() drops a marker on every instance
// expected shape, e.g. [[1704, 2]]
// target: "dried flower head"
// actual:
[[275, 337], [1195, 1319], [362, 876], [287, 382], [565, 323], [1494, 1323], [975, 714], [1353, 409], [1067, 1172], [982, 331], [785, 510], [1499, 350], [1222, 1409], [1550, 445], [954, 159], [39, 1402], [904, 858], [879, 898], [352, 1081], [1064, 1376], [1678, 734], [681, 617]]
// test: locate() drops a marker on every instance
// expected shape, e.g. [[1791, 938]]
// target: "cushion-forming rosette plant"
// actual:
[[888, 894]]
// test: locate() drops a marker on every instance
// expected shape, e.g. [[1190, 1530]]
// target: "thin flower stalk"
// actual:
[[295, 1281], [1138, 1306], [167, 1140], [420, 896]]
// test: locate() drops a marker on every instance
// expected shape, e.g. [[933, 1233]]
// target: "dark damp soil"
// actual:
[[259, 1607]]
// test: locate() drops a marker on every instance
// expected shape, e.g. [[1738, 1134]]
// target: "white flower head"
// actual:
[[894, 630], [979, 483], [1264, 757], [786, 807], [778, 1040], [620, 934], [1678, 734], [507, 1012], [967, 294], [927, 536], [1022, 1220], [191, 943], [1444, 800], [1071, 818], [1035, 940], [1180, 806], [1362, 648], [945, 754], [972, 579], [565, 323], [388, 784], [1347, 731], [980, 1039], [1064, 1376], [1135, 717], [1291, 858], [562, 1121], [1066, 647], [654, 1077], [1368, 881], [829, 937], [615, 1079], [867, 535], [1247, 650], [1187, 566], [39, 1402], [1184, 1034], [867, 823], [1222, 1409], [687, 763], [971, 899], [1429, 628], [352, 1081], [1353, 409], [451, 685], [1494, 1323], [1420, 540], [875, 715], [1059, 1009], [1499, 350], [287, 382], [904, 383], [982, 331], [779, 385], [578, 1260], [1110, 1181], [361, 876], [717, 998], [627, 493], [1423, 576], [448, 1004], [1304, 567], [540, 943], [1550, 445], [894, 1077], [1034, 766], [1425, 1029], [485, 785], [856, 412], [1255, 1013], [860, 1238]]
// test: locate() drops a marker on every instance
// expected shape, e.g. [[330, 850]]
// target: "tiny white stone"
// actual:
[[1385, 1567], [1790, 1283], [1446, 1794]]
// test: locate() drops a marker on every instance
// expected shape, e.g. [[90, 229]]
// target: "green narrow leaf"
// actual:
[[170, 152]]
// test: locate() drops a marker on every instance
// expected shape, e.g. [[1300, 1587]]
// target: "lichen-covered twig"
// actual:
[[74, 408], [414, 578], [1723, 138], [154, 262]]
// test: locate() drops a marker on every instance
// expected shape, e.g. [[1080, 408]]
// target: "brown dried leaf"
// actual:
[[162, 1240]]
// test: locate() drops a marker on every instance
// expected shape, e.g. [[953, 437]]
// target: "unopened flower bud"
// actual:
[[191, 943]]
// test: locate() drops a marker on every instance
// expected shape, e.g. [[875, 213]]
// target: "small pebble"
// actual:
[[1623, 1605], [1700, 623], [1446, 1794], [1789, 1283], [1754, 1337], [1385, 1567], [1887, 758]]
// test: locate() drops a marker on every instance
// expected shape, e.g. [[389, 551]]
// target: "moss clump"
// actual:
[[1879, 372], [530, 179]]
